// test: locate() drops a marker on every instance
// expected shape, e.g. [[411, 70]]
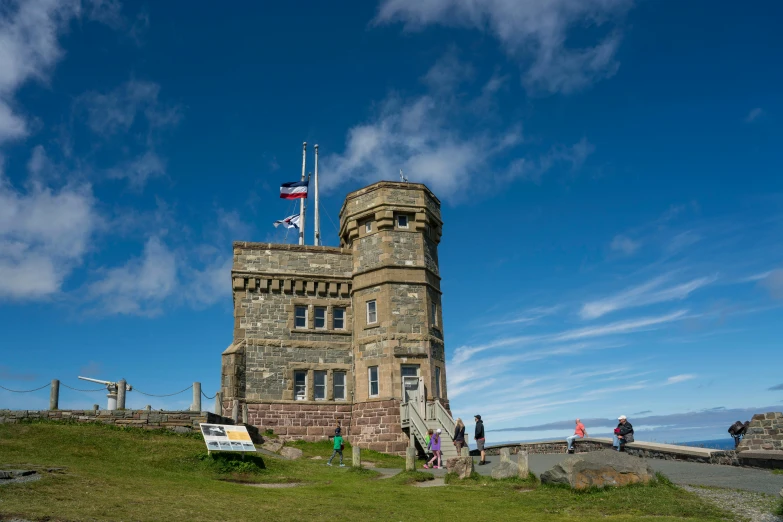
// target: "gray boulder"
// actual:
[[507, 467], [462, 466], [599, 469], [272, 445], [291, 453]]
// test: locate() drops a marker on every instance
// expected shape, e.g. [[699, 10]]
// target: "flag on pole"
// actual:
[[294, 190], [289, 222]]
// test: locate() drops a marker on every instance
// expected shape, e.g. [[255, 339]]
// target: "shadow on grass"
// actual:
[[405, 478], [228, 463]]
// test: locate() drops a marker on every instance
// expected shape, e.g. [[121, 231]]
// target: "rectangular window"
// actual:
[[300, 317], [320, 385], [402, 221], [434, 314], [437, 381], [373, 374], [338, 318], [320, 317], [300, 385], [339, 386], [368, 227], [372, 313]]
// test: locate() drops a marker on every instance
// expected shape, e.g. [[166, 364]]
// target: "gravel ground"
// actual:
[[746, 505]]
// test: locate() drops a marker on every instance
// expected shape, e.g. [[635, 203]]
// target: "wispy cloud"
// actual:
[[8, 374], [624, 244], [675, 379], [643, 295], [778, 387], [754, 114], [773, 283], [533, 33], [529, 316]]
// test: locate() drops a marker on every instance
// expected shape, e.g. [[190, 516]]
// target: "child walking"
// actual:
[[338, 448], [435, 444]]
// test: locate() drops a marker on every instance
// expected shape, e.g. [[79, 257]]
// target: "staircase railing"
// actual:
[[410, 418], [443, 417]]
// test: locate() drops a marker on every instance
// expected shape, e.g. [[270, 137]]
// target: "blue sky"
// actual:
[[610, 173]]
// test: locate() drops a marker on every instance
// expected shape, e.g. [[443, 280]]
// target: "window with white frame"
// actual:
[[372, 312], [402, 221], [373, 377], [338, 386], [320, 317], [368, 227], [319, 386], [434, 314], [437, 381], [300, 385], [300, 317], [338, 318]]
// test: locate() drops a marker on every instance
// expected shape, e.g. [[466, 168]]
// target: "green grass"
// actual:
[[114, 474], [778, 509], [777, 471]]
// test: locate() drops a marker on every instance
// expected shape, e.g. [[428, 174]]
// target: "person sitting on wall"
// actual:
[[623, 433], [579, 433]]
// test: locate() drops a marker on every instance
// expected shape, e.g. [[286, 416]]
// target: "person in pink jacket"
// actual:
[[435, 446]]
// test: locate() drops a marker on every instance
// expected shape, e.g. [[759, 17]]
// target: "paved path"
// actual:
[[690, 473]]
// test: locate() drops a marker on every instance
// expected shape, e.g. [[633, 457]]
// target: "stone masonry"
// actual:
[[323, 334], [764, 433]]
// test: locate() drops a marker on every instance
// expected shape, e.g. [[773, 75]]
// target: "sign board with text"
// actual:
[[223, 437]]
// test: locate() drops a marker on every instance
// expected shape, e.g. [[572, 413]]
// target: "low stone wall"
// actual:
[[764, 433], [309, 421], [179, 421], [639, 449]]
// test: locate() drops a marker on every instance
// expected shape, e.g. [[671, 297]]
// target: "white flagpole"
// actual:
[[302, 205], [316, 219]]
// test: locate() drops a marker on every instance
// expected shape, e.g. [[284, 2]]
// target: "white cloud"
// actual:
[[139, 170], [773, 282], [29, 48], [531, 31], [624, 244], [754, 114], [643, 295], [44, 235], [423, 136], [679, 378], [620, 327], [139, 286]]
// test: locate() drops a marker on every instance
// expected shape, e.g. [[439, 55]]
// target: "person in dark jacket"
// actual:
[[459, 436], [623, 433], [479, 436]]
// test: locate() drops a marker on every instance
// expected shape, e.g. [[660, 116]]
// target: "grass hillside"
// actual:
[[116, 474]]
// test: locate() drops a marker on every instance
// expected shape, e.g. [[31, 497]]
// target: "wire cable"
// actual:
[[166, 395], [78, 390], [25, 391]]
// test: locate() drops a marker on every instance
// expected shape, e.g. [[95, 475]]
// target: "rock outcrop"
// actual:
[[291, 453], [462, 466], [599, 469]]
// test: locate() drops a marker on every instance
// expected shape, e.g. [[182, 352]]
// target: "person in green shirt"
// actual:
[[338, 448]]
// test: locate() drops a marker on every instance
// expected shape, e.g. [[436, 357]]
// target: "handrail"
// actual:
[[417, 425], [443, 417]]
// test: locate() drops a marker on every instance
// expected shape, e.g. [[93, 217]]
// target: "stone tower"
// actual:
[[393, 231], [347, 334]]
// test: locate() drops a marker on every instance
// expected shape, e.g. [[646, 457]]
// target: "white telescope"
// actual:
[[113, 389]]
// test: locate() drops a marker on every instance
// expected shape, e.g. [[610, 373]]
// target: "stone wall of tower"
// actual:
[[395, 264]]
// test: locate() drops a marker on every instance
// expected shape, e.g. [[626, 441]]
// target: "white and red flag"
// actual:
[[289, 222], [294, 190]]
